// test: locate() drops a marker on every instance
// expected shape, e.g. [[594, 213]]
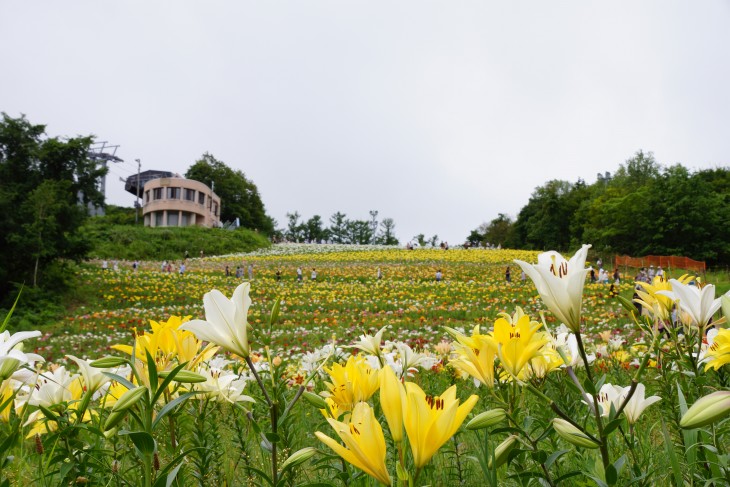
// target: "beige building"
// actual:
[[179, 202]]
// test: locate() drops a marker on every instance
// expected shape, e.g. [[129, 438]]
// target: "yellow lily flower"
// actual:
[[354, 382], [432, 420], [392, 399], [364, 442], [518, 343], [475, 355], [718, 353]]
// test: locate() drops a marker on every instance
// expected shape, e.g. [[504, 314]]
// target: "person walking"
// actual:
[[299, 274], [508, 275], [314, 274], [439, 276]]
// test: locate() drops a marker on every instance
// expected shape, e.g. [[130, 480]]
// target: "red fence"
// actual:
[[666, 261]]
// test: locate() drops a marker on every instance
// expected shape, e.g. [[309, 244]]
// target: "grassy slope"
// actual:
[[144, 243]]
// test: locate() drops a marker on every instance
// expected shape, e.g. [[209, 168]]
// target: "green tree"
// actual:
[[338, 228], [386, 236], [499, 230], [239, 196], [295, 229], [314, 230], [359, 232], [47, 183]]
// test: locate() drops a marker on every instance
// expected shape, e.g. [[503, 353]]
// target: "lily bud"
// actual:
[[501, 453], [112, 421], [725, 303], [183, 376], [707, 410], [315, 400], [298, 457], [487, 419], [108, 362], [129, 399], [572, 434]]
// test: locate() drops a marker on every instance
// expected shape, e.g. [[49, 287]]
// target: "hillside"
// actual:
[[145, 243]]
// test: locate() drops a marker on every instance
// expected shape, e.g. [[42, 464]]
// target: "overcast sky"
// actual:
[[439, 115]]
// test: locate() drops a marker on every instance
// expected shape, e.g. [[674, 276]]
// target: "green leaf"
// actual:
[[142, 440], [49, 414], [172, 475], [669, 448], [552, 458], [272, 437], [589, 387], [612, 425], [170, 406], [10, 313], [122, 380], [611, 475], [170, 377], [152, 371]]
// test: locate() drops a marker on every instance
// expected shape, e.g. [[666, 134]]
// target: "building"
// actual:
[[179, 202]]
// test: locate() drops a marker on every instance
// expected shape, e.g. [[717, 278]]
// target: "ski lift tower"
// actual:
[[102, 153]]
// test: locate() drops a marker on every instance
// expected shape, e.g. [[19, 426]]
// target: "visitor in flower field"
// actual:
[[299, 274], [652, 273], [616, 276], [599, 263], [314, 274], [508, 275], [104, 265], [278, 274], [182, 268], [593, 275], [660, 272], [228, 271], [250, 272], [379, 274], [239, 272], [438, 275]]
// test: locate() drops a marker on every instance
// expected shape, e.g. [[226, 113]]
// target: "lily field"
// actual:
[[372, 373]]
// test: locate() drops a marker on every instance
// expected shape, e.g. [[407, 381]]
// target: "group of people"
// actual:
[[648, 276]]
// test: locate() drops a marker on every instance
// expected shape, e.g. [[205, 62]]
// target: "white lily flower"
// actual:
[[699, 304], [609, 395], [725, 303], [638, 403], [12, 358], [560, 283], [370, 344], [93, 378], [223, 386], [226, 320], [569, 343], [52, 388]]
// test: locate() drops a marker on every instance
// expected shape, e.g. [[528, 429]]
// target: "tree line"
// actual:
[[644, 208], [47, 185], [341, 229]]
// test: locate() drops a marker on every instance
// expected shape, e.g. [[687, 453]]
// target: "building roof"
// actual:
[[145, 176]]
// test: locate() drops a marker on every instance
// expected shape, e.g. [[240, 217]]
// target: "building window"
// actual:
[[157, 194], [215, 209], [172, 219], [190, 194], [158, 218], [201, 198], [147, 196], [173, 193], [185, 220]]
